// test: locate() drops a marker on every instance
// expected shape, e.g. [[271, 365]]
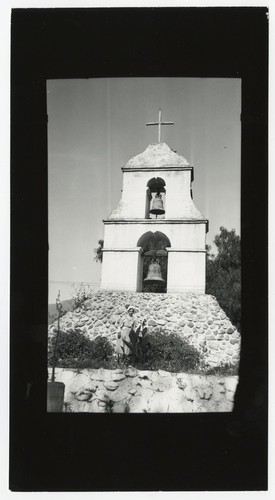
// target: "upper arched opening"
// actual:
[[156, 185], [150, 241]]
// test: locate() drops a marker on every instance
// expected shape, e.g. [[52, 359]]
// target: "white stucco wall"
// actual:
[[178, 202], [183, 224], [181, 235], [120, 270], [186, 272]]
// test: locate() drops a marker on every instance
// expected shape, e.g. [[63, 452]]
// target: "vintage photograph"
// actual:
[[144, 179], [139, 251]]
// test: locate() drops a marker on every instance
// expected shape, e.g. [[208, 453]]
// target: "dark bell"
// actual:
[[157, 206], [154, 273]]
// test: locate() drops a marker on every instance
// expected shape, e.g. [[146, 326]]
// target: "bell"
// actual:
[[157, 206], [154, 272]]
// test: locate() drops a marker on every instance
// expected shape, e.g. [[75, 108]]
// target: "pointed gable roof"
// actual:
[[157, 155]]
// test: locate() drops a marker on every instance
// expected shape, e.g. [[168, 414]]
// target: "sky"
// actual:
[[96, 125]]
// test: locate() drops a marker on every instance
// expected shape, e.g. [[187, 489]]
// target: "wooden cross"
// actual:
[[159, 123]]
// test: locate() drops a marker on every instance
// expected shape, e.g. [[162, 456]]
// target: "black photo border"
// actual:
[[89, 452]]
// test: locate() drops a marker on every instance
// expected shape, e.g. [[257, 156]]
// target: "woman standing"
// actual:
[[126, 324]]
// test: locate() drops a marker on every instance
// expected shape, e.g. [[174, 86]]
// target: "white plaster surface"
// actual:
[[182, 224], [178, 201], [186, 272], [181, 236], [120, 270]]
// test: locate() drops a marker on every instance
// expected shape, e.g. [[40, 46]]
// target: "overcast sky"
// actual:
[[96, 125]]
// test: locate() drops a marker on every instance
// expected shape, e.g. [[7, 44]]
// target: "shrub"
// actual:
[[81, 293], [100, 355], [77, 351], [167, 351]]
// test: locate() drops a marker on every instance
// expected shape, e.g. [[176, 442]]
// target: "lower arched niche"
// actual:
[[154, 253]]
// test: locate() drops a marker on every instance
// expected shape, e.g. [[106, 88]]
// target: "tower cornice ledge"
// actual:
[[135, 249], [156, 167], [187, 250], [155, 221]]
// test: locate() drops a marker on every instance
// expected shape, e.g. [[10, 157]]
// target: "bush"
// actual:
[[77, 351], [167, 351], [81, 293], [164, 351]]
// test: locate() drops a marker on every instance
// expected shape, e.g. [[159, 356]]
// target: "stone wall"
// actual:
[[136, 391], [197, 318]]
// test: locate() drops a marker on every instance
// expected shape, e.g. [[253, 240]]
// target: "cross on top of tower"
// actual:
[[159, 123]]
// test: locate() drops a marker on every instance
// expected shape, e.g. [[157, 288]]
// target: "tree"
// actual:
[[98, 251], [223, 274]]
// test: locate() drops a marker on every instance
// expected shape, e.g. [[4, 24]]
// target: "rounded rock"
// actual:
[[132, 391], [117, 377], [230, 330], [236, 335], [110, 386], [131, 372], [210, 337]]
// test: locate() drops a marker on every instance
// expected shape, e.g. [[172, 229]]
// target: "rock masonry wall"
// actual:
[[198, 318], [136, 391]]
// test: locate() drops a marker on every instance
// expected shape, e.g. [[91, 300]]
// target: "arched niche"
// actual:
[[154, 186], [154, 247]]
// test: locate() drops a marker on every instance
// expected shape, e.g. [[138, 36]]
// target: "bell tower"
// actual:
[[155, 219]]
